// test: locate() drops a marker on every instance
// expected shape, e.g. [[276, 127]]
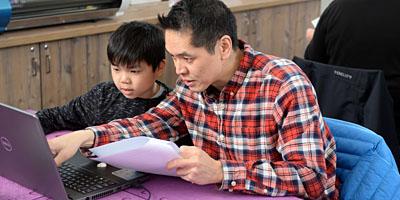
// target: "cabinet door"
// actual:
[[98, 64], [64, 70], [20, 76]]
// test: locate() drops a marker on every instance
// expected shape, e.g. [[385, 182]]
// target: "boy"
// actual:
[[137, 55]]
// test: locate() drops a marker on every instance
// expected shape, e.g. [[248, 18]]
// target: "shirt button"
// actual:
[[231, 93], [233, 183], [221, 138]]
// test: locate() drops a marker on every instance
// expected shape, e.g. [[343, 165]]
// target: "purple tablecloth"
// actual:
[[157, 187]]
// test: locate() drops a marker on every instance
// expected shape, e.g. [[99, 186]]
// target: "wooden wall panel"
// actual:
[[98, 65], [273, 28], [305, 13], [280, 30], [169, 76], [243, 26]]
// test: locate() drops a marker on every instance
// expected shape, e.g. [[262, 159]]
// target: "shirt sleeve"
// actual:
[[74, 115], [302, 144], [163, 122]]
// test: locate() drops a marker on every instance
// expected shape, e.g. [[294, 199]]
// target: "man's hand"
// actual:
[[197, 166], [64, 147]]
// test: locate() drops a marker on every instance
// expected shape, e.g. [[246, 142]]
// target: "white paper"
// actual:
[[141, 153], [314, 22]]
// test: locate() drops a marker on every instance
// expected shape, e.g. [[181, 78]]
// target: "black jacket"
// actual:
[[354, 95]]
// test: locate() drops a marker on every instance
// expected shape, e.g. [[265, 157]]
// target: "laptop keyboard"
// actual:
[[81, 180]]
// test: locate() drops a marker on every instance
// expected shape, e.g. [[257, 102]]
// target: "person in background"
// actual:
[[361, 34], [253, 118], [136, 51]]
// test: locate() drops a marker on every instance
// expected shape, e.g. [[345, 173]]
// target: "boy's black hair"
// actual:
[[206, 20], [134, 42]]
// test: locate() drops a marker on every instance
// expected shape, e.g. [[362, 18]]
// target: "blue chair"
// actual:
[[365, 165]]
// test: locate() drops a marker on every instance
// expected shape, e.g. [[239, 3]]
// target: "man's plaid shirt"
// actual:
[[265, 127]]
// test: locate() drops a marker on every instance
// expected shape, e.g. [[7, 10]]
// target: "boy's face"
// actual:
[[138, 81], [197, 68]]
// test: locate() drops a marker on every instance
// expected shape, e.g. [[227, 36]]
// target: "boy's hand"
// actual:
[[64, 147], [197, 166]]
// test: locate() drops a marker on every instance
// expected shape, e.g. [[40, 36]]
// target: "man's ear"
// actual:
[[160, 70], [225, 47]]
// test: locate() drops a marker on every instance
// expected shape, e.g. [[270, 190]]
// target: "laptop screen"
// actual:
[[25, 154], [26, 159]]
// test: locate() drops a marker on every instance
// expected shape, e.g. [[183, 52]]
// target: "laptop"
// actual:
[[25, 158]]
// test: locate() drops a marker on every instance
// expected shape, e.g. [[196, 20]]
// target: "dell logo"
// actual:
[[6, 144]]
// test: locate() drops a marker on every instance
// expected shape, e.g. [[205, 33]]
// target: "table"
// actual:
[[156, 187]]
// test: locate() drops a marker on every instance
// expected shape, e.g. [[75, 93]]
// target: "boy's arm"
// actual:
[[74, 115]]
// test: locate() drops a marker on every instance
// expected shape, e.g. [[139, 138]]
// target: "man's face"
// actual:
[[137, 81], [196, 67]]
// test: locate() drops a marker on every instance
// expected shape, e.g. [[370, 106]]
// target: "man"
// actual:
[[253, 118]]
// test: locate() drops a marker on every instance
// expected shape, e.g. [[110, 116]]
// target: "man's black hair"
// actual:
[[206, 20], [134, 42]]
